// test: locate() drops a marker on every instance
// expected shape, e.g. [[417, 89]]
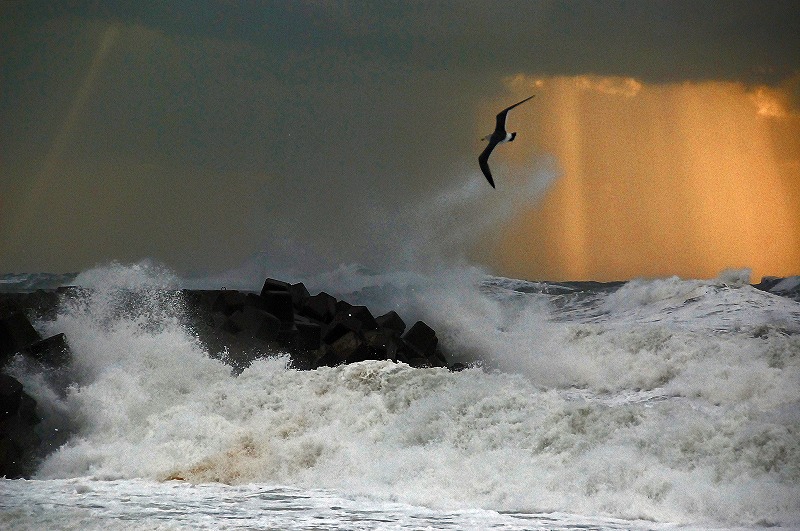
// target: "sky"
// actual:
[[664, 138]]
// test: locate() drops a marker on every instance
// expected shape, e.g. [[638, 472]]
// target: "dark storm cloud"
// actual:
[[194, 132], [663, 40]]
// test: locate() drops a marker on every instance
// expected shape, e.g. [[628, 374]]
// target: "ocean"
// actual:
[[648, 404]]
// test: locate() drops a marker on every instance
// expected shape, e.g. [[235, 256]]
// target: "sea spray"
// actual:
[[440, 439], [444, 229], [654, 405], [404, 242]]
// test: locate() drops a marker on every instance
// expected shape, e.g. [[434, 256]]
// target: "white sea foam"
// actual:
[[86, 504], [612, 412]]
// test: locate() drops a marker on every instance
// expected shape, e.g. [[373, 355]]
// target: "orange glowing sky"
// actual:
[[680, 179]]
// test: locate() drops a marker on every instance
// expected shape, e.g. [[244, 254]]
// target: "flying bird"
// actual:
[[499, 136]]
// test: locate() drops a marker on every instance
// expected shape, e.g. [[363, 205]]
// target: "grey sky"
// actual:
[[197, 132]]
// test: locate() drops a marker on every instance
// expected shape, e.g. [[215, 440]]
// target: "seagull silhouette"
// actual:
[[499, 136]]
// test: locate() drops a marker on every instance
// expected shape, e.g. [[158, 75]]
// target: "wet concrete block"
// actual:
[[302, 361], [340, 326], [19, 443], [419, 363], [258, 323], [349, 347], [434, 361], [363, 315], [274, 285], [299, 294], [228, 301], [219, 321], [10, 395], [327, 359], [279, 304], [342, 306], [382, 343], [201, 299], [53, 351], [43, 304], [16, 333], [362, 353], [392, 321], [356, 319], [422, 339], [255, 301], [11, 303], [309, 334], [288, 336], [320, 307], [27, 410]]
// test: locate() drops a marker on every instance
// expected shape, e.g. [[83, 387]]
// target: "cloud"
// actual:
[[245, 122]]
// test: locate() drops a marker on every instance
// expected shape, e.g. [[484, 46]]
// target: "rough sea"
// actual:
[[649, 404]]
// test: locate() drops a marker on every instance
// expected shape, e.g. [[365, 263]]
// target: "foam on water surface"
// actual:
[[671, 401], [88, 504]]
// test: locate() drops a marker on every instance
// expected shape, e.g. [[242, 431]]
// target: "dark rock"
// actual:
[[362, 353], [42, 304], [457, 367], [356, 319], [228, 301], [391, 321], [299, 294], [19, 443], [226, 325], [303, 360], [202, 300], [435, 361], [342, 306], [10, 303], [350, 348], [220, 321], [361, 314], [382, 343], [258, 323], [256, 301], [27, 410], [279, 304], [18, 449], [53, 351], [401, 358], [422, 340], [289, 337], [320, 307], [274, 285], [309, 334], [240, 327], [16, 333], [340, 326], [767, 283], [240, 358], [10, 395], [327, 359]]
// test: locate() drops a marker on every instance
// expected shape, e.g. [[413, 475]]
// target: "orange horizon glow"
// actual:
[[682, 179]]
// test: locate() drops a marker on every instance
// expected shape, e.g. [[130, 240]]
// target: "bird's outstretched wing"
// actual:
[[501, 116], [483, 161]]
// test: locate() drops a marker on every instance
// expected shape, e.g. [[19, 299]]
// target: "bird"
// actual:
[[499, 136]]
